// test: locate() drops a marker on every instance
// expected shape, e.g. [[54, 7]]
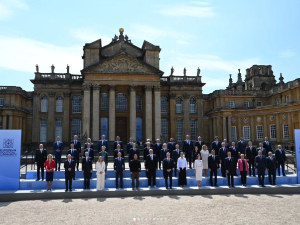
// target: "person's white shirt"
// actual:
[[181, 163]]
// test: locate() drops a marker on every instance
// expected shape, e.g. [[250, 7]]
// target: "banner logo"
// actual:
[[8, 143]]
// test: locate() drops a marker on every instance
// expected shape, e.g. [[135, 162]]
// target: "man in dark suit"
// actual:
[[146, 151], [168, 169], [260, 164], [89, 141], [241, 146], [58, 147], [230, 169], [117, 150], [199, 143], [213, 166], [77, 146], [250, 157], [271, 168], [129, 146], [187, 148], [74, 153], [163, 152], [234, 154], [280, 158], [145, 143], [262, 149], [40, 159], [156, 150], [134, 151], [171, 145], [267, 146], [216, 145], [102, 142], [151, 167], [69, 166], [222, 155], [226, 144], [118, 142], [135, 171], [119, 167], [90, 150], [175, 156], [87, 170]]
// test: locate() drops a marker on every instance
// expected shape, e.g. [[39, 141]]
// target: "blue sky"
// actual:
[[220, 37]]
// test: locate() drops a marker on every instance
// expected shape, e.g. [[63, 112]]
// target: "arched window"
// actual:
[[164, 105], [121, 103], [138, 103], [178, 105], [44, 104], [192, 105], [104, 101], [76, 104], [59, 104]]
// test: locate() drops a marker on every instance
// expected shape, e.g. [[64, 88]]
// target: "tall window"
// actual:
[[139, 129], [259, 103], [121, 103], [193, 129], [76, 128], [231, 104], [58, 128], [179, 130], [59, 104], [44, 104], [178, 105], [285, 128], [164, 128], [246, 104], [192, 107], [233, 133], [104, 127], [1, 101], [246, 132], [259, 132], [287, 99], [164, 105], [43, 130], [277, 101], [104, 101], [76, 104], [272, 131], [139, 103]]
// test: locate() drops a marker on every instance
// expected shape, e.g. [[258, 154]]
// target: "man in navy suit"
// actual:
[[263, 150], [267, 146], [271, 168], [74, 153], [234, 154], [260, 164], [87, 170], [175, 156], [117, 150], [213, 166], [171, 145], [241, 146], [118, 142], [163, 152], [156, 149], [102, 142], [90, 150], [89, 141], [129, 146], [280, 158], [168, 169], [69, 166], [187, 148], [58, 147], [40, 159], [199, 143], [151, 167], [230, 166], [77, 146], [216, 145], [119, 167], [222, 155], [250, 156]]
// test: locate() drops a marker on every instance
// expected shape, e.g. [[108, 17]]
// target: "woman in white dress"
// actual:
[[100, 167], [204, 155], [198, 167]]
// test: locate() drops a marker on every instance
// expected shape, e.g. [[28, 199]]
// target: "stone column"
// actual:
[[51, 123], [96, 112], [224, 127], [132, 110], [4, 123], [157, 111], [252, 129], [265, 126], [229, 130], [112, 112], [278, 128], [214, 127], [199, 109], [186, 114], [240, 131], [172, 120], [218, 131], [66, 119], [35, 117], [148, 111], [87, 109], [10, 122]]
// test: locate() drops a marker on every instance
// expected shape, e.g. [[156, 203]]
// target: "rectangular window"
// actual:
[[246, 104], [259, 103], [164, 105], [104, 127], [58, 128], [43, 130], [139, 129], [193, 130], [76, 128], [231, 104], [285, 128], [287, 99], [164, 129], [233, 133], [272, 131], [76, 104], [259, 132], [1, 101], [179, 130], [246, 132], [277, 101]]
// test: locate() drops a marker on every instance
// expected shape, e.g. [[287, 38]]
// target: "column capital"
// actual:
[[51, 94], [172, 95], [96, 87], [112, 87], [86, 87], [67, 94], [186, 95], [148, 87], [132, 87], [157, 87]]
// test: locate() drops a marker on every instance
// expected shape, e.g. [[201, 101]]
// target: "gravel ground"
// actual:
[[210, 209]]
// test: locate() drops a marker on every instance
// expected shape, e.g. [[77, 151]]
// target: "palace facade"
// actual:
[[122, 91]]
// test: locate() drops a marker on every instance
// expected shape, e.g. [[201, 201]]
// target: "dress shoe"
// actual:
[[149, 186], [254, 176], [216, 185], [263, 185], [284, 175], [66, 190], [154, 186], [233, 186], [228, 186], [167, 188], [70, 189], [170, 187]]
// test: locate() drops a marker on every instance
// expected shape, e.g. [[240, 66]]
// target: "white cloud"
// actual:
[[287, 54], [8, 8], [90, 35]]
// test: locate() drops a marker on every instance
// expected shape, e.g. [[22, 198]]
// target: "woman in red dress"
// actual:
[[49, 166]]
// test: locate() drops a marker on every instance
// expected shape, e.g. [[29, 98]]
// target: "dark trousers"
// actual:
[[189, 159], [272, 177], [77, 163], [235, 163], [40, 167], [223, 169], [168, 175], [68, 182], [280, 164], [135, 176], [175, 169], [57, 163], [243, 177], [230, 178], [119, 174], [211, 174], [73, 173], [251, 165], [152, 176], [159, 162], [261, 176], [87, 178]]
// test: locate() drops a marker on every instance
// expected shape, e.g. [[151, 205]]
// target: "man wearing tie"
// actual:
[[146, 151], [101, 143], [156, 149], [187, 148], [119, 167], [118, 142], [199, 143], [87, 170], [89, 141], [222, 155], [175, 156], [168, 169], [134, 151], [267, 146], [213, 166], [163, 152], [241, 146], [280, 158], [117, 150], [230, 169], [262, 149], [90, 150], [77, 146], [69, 166], [40, 159], [260, 164], [234, 154], [271, 168], [216, 145], [250, 156], [58, 147], [151, 167], [129, 146], [171, 145], [74, 153]]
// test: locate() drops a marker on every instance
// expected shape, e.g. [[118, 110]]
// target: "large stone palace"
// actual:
[[122, 91]]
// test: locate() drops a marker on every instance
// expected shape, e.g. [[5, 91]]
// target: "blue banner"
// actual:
[[297, 150]]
